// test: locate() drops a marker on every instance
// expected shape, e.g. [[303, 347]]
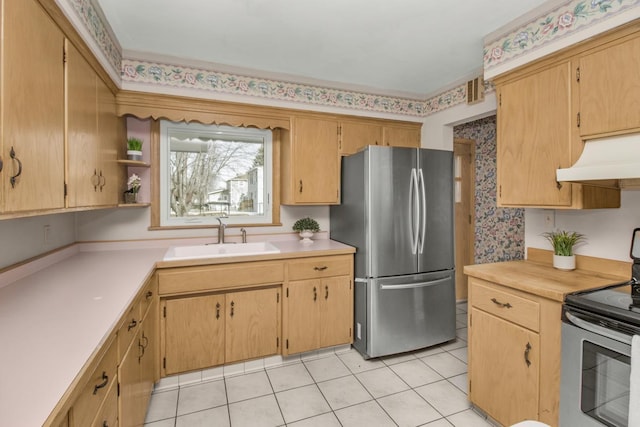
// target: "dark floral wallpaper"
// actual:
[[499, 231]]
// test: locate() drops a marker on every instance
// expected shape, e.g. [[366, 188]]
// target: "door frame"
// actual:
[[464, 146]]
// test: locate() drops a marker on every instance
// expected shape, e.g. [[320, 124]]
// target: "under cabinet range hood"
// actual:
[[605, 161]]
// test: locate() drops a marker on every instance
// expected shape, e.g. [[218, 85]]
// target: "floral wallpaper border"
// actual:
[[570, 16], [563, 20], [91, 16]]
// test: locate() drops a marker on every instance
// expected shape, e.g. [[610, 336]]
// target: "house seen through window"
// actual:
[[209, 171]]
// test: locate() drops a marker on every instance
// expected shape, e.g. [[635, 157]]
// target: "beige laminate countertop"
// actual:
[[53, 320], [541, 279]]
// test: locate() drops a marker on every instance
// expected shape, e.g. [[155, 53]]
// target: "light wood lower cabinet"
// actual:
[[319, 308], [208, 330], [514, 353]]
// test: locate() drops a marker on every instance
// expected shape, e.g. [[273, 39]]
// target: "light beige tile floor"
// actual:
[[427, 388]]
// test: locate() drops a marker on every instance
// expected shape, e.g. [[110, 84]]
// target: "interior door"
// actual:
[[436, 232], [391, 210]]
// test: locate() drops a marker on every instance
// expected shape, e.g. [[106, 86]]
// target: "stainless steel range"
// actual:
[[596, 351]]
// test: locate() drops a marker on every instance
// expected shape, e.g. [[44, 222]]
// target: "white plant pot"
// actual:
[[134, 155], [306, 236], [564, 262]]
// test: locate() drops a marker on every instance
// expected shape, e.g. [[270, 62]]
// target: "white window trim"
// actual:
[[167, 221]]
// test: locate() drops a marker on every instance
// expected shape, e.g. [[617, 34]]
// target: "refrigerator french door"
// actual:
[[397, 209]]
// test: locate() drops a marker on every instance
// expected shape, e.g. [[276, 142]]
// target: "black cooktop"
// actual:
[[615, 302]]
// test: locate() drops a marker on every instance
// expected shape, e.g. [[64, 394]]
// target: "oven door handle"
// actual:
[[596, 329]]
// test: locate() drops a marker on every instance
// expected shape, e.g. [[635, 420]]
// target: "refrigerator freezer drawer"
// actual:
[[404, 313]]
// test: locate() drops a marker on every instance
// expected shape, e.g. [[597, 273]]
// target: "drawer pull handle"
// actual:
[[232, 305], [501, 304], [132, 325], [217, 310], [315, 293], [326, 294], [527, 349], [323, 268], [145, 340], [105, 380]]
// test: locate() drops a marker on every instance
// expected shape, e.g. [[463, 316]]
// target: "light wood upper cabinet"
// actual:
[[402, 136], [310, 162], [534, 138], [537, 134], [610, 89], [355, 135], [32, 109], [91, 136]]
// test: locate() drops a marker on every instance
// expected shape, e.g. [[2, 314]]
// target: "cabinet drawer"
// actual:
[[128, 329], [313, 268], [95, 390], [198, 279], [505, 305], [146, 298], [108, 413]]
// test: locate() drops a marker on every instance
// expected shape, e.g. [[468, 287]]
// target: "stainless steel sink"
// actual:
[[220, 250]]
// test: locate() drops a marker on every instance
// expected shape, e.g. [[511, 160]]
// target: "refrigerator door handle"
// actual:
[[414, 207], [423, 197], [415, 285]]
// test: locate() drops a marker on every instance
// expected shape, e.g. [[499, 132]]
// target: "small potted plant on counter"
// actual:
[[563, 243], [134, 149], [306, 227], [131, 195]]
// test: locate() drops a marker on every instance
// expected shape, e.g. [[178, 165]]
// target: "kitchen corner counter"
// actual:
[[540, 278], [56, 312]]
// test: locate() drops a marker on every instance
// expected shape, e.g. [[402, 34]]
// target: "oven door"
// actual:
[[596, 365]]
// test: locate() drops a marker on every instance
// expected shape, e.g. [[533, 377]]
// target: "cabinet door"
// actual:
[[610, 89], [149, 343], [32, 108], [303, 316], [508, 394], [402, 136], [336, 311], [316, 166], [252, 324], [129, 380], [108, 142], [534, 138], [193, 333], [357, 135], [82, 131]]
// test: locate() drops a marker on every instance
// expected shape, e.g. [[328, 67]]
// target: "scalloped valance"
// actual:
[[145, 105]]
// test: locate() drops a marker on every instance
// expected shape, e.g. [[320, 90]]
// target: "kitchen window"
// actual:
[[209, 171]]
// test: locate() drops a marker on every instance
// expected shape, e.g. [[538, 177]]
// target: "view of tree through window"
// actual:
[[214, 171]]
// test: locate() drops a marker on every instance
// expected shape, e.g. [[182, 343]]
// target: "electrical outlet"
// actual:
[[549, 219], [46, 234]]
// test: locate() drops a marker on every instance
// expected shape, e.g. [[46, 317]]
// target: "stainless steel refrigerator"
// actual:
[[397, 210]]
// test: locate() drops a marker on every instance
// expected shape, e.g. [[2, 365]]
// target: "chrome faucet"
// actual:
[[221, 229]]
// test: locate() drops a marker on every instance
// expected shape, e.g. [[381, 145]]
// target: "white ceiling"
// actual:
[[411, 48]]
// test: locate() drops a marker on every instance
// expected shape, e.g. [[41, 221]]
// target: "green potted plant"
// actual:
[[563, 243], [306, 227], [134, 149]]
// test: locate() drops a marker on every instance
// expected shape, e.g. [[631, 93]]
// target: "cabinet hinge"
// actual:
[[287, 292], [287, 342], [277, 341], [65, 189], [469, 387], [500, 100], [349, 332], [350, 284], [164, 363], [164, 311], [64, 55], [118, 389], [578, 74], [278, 297], [470, 320], [500, 191], [469, 219], [578, 120]]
